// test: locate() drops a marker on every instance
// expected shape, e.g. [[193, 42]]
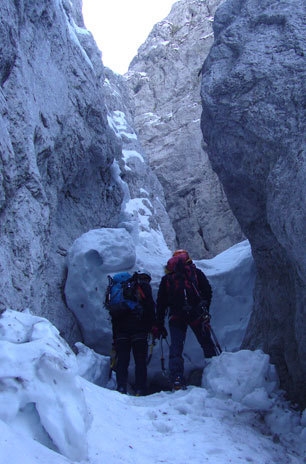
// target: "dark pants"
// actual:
[[139, 346], [178, 329]]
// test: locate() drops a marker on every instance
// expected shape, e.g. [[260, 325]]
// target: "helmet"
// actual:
[[144, 274], [182, 253]]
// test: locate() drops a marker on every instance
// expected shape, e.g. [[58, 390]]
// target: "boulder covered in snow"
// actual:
[[245, 376], [94, 367], [232, 277], [41, 391], [91, 258]]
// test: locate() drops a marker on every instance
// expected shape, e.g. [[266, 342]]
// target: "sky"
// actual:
[[121, 26]]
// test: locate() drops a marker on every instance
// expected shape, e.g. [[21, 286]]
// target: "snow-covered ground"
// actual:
[[237, 415], [51, 411]]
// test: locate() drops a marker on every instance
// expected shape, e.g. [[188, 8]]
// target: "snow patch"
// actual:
[[39, 381], [118, 123], [127, 154]]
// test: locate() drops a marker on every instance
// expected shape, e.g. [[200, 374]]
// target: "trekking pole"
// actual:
[[151, 350], [162, 359], [217, 344]]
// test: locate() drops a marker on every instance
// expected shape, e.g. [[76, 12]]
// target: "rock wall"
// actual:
[[254, 123], [142, 185], [58, 153], [164, 79], [56, 150]]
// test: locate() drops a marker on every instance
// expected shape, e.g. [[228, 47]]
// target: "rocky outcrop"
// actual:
[[143, 191], [56, 144], [60, 174], [165, 84], [254, 123]]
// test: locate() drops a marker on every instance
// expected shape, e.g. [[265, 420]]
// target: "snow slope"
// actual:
[[51, 411]]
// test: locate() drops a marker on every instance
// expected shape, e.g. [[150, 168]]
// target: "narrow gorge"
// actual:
[[204, 137]]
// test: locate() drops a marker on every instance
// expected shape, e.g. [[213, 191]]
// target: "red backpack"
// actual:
[[182, 282]]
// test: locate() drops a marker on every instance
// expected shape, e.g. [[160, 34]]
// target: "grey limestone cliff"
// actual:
[[254, 122], [164, 79], [136, 172], [58, 151]]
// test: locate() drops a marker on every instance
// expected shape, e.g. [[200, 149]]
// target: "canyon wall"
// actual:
[[254, 123], [165, 82], [62, 168]]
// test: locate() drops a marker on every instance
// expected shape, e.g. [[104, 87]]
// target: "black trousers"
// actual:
[[138, 344], [178, 329]]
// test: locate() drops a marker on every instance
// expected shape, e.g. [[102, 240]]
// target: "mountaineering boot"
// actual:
[[121, 389], [140, 393], [179, 384]]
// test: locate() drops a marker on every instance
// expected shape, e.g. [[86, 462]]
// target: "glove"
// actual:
[[158, 332]]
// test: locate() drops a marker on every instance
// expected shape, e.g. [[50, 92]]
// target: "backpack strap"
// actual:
[[140, 293], [108, 290]]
